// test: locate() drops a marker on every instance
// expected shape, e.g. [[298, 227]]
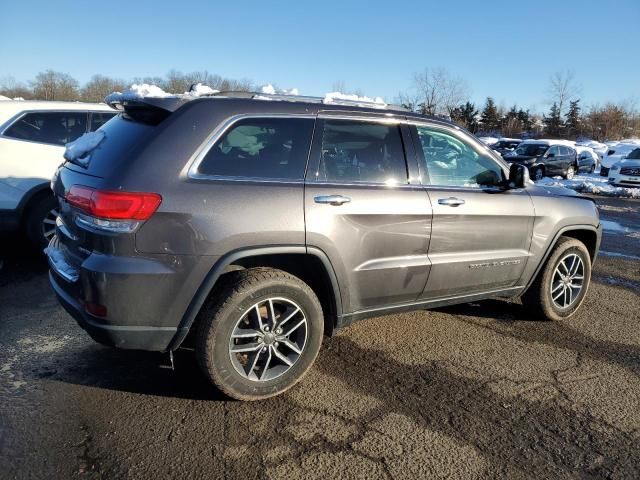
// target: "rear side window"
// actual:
[[56, 128], [270, 148], [360, 151], [100, 118]]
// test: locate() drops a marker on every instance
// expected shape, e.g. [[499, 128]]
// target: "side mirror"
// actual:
[[551, 155], [518, 176]]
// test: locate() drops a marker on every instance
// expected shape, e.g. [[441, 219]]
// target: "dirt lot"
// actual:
[[472, 391]]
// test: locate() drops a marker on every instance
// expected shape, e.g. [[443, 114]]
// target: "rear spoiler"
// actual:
[[125, 102]]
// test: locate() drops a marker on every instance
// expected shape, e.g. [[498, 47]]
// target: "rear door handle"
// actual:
[[451, 201], [335, 200]]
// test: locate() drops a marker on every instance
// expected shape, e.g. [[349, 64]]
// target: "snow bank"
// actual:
[[335, 97], [2, 97], [593, 184], [77, 150]]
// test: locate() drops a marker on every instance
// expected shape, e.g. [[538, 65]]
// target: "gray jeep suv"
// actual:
[[248, 227]]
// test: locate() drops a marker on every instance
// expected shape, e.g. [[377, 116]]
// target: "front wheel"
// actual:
[[259, 334], [561, 286]]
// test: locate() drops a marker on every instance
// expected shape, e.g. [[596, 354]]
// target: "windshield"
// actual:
[[531, 149], [635, 155]]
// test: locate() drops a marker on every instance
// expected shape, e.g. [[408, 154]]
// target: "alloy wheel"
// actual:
[[570, 172], [49, 224], [268, 339], [567, 281]]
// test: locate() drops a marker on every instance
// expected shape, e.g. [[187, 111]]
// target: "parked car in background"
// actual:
[[587, 159], [32, 139], [278, 220], [598, 147], [506, 145], [626, 173], [617, 152], [546, 158]]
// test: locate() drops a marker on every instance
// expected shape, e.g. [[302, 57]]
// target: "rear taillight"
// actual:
[[115, 211]]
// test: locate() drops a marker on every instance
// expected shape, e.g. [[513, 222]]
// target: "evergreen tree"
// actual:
[[525, 120], [553, 122], [490, 119], [572, 119], [465, 116]]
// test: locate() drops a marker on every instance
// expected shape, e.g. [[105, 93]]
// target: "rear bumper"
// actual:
[[129, 337]]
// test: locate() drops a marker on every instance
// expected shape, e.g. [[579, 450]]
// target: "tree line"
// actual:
[[436, 92], [433, 92]]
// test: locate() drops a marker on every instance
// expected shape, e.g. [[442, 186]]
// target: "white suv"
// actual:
[[32, 139]]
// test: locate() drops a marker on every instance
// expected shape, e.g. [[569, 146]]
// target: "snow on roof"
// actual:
[[550, 141], [271, 90], [137, 91], [335, 97], [507, 139], [268, 89], [77, 150], [200, 89], [488, 140]]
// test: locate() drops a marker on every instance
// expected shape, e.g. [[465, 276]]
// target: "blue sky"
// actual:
[[504, 49]]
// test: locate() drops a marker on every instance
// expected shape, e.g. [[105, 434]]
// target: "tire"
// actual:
[[539, 297], [537, 174], [570, 173], [40, 221], [229, 320]]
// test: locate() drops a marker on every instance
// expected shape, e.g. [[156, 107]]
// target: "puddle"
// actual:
[[611, 226], [616, 254]]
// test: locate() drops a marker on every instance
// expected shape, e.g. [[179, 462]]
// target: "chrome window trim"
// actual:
[[219, 132]]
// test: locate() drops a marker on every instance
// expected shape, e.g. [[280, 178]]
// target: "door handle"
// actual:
[[335, 200], [451, 201]]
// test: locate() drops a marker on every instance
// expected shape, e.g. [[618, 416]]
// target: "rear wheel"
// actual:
[[571, 171], [561, 286], [40, 223], [538, 173], [259, 334]]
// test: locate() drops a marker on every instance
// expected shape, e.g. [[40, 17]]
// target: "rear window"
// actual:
[[54, 128], [269, 148], [122, 134]]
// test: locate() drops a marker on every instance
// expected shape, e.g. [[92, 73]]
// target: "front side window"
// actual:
[[55, 128], [272, 148], [450, 161], [531, 149], [553, 152], [361, 151], [634, 155]]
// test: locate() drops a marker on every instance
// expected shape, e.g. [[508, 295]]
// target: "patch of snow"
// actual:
[[271, 90], [20, 99], [2, 97], [591, 183], [77, 150], [336, 97], [488, 140], [200, 89], [137, 91]]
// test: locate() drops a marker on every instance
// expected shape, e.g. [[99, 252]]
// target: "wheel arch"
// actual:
[[587, 234], [30, 198], [310, 264]]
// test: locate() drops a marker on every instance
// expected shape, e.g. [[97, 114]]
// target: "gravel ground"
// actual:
[[473, 391]]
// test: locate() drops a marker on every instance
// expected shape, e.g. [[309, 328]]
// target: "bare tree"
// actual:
[[100, 86], [10, 87], [436, 92], [52, 85], [563, 89]]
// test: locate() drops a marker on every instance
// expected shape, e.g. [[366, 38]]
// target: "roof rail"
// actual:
[[309, 99]]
